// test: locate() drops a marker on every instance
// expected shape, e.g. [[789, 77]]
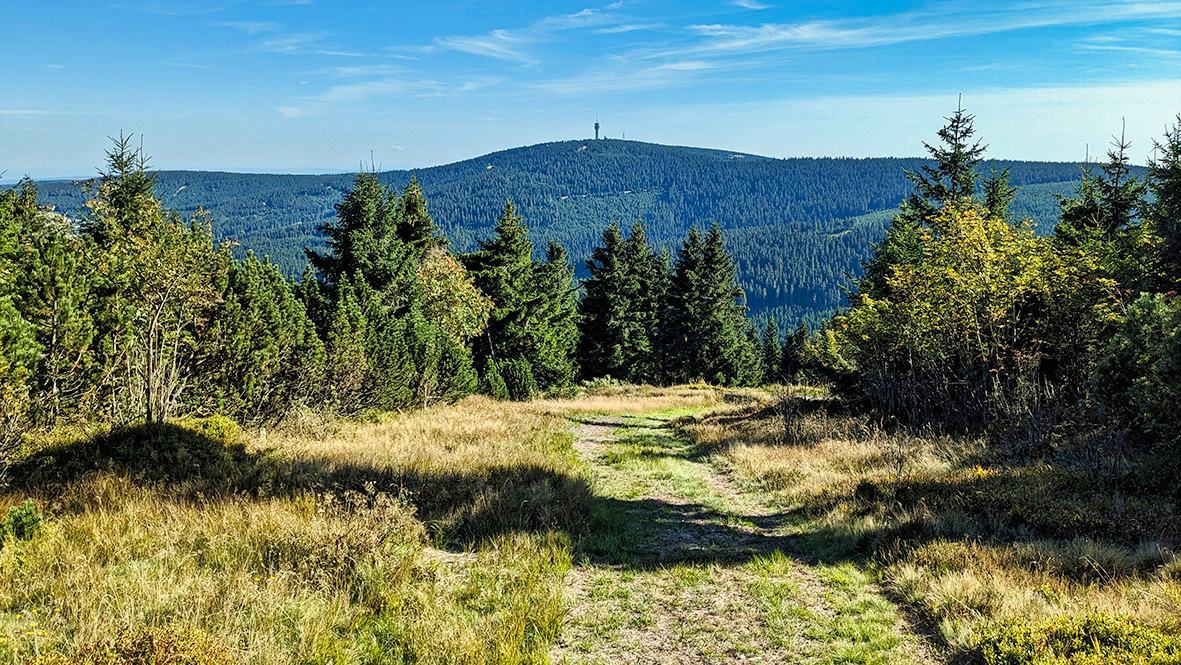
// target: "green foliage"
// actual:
[[703, 325], [965, 324], [492, 383], [771, 353], [620, 308], [1138, 379], [22, 523], [570, 190], [1088, 640], [155, 645], [19, 355], [533, 317], [952, 180], [518, 380], [264, 353], [1164, 182]]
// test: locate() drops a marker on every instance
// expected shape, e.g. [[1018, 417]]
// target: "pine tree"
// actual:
[[1104, 205], [364, 240], [791, 358], [602, 308], [952, 180], [558, 313], [1164, 181], [347, 345], [159, 287], [772, 351], [264, 355], [621, 307], [415, 226], [503, 270], [706, 330]]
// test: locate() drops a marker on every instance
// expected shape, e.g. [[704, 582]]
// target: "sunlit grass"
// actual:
[[968, 543]]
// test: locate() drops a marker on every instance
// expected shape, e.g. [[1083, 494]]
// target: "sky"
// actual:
[[312, 86]]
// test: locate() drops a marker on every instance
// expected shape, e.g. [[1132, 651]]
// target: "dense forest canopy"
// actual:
[[830, 208]]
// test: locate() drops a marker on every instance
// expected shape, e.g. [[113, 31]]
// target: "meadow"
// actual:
[[689, 524]]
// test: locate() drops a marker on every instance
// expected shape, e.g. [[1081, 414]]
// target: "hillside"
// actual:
[[796, 226]]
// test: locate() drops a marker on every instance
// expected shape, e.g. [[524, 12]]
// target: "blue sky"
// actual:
[[318, 86]]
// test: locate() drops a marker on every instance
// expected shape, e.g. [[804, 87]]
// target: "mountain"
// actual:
[[797, 227]]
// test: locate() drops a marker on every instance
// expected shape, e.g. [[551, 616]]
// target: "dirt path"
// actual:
[[680, 566]]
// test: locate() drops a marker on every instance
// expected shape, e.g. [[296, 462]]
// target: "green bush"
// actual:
[[1090, 640], [167, 645], [1139, 377], [22, 523], [518, 379]]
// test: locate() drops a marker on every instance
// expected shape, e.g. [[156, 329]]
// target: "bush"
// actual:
[[167, 645], [518, 379], [1138, 380], [23, 522], [1091, 640]]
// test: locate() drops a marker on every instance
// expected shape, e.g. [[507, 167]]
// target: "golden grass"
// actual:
[[330, 560], [962, 570]]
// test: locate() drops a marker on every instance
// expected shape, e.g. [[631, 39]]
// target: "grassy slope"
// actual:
[[1004, 561], [667, 527]]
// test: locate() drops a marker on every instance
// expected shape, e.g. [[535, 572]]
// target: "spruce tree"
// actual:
[[602, 308], [1164, 181], [952, 180], [706, 330], [503, 270], [621, 307], [772, 351], [557, 310]]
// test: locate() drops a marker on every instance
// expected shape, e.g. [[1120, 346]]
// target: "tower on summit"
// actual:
[[596, 128]]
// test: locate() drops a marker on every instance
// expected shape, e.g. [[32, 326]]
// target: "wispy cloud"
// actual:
[[750, 4], [630, 27], [500, 44], [947, 21], [185, 65], [55, 66], [513, 44], [251, 27]]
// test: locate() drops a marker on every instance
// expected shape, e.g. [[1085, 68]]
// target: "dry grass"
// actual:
[[970, 545], [328, 557]]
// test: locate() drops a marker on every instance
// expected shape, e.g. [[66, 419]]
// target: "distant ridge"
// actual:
[[798, 227]]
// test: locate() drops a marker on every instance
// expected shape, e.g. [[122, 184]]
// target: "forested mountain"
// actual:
[[796, 227]]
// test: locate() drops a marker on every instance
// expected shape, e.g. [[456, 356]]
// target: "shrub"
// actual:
[[518, 379], [23, 522], [1067, 640], [146, 645]]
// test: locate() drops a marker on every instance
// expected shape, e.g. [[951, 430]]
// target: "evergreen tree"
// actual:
[[415, 226], [952, 179], [772, 351], [158, 289], [1104, 205], [791, 357], [503, 270], [364, 240], [533, 318], [558, 310], [602, 308], [621, 308], [1164, 181], [347, 345], [264, 355], [705, 322]]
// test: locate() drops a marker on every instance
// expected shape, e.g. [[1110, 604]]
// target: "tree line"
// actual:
[[136, 313], [795, 227]]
